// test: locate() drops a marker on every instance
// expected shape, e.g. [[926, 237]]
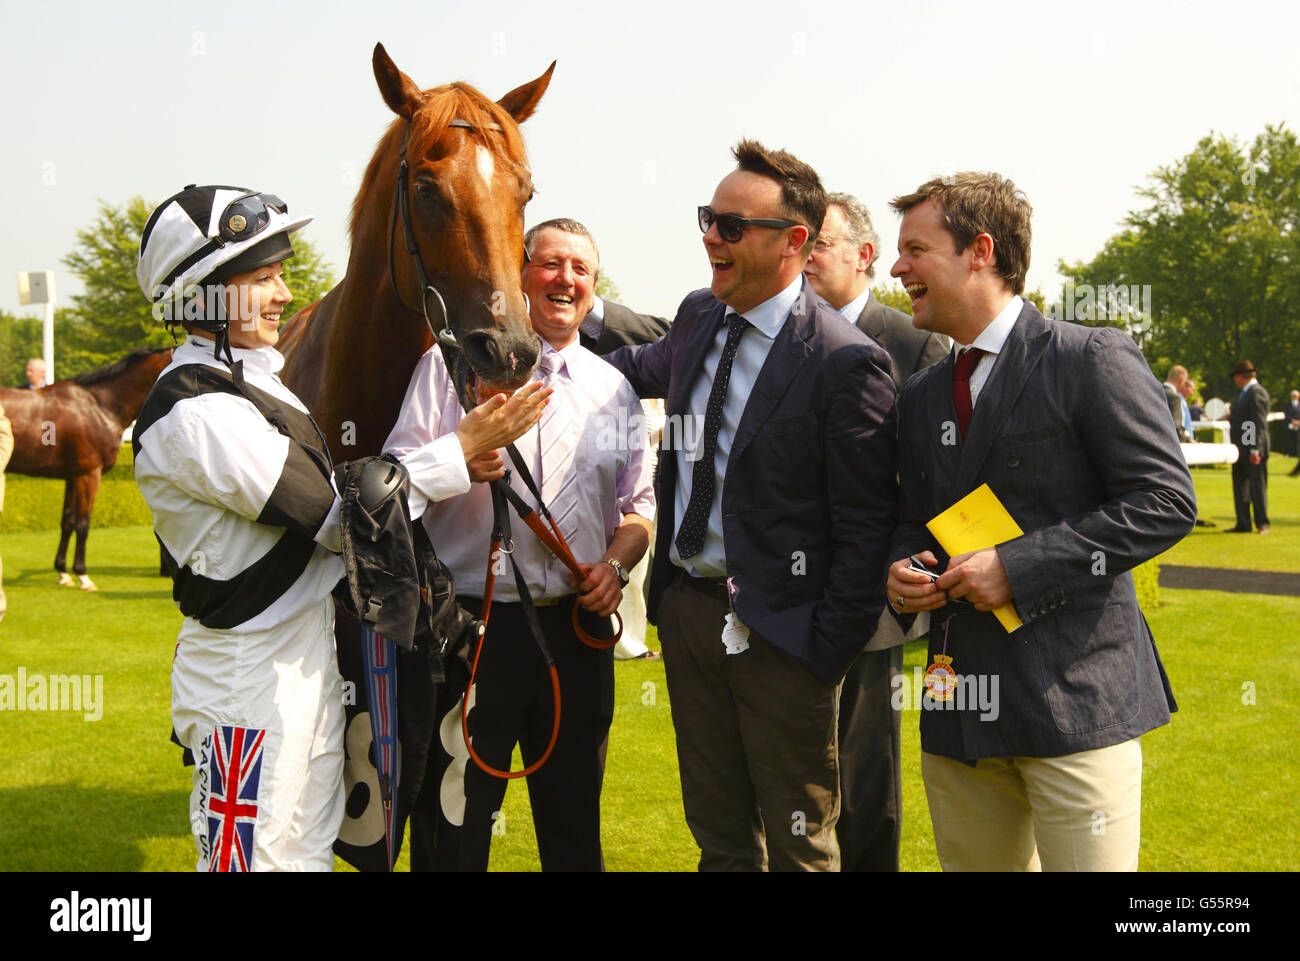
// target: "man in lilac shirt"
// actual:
[[588, 455]]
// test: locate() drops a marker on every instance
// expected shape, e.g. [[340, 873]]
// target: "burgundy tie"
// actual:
[[961, 372]]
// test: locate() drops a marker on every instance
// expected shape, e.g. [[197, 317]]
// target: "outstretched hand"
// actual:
[[499, 421]]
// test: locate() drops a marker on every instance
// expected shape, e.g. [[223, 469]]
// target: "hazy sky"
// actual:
[[1077, 104]]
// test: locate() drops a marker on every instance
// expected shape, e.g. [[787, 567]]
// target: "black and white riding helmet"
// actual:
[[204, 235]]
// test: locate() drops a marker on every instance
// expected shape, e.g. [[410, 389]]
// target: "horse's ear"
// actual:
[[522, 101], [400, 92]]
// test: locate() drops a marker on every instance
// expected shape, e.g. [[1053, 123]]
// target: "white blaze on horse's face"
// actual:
[[486, 166]]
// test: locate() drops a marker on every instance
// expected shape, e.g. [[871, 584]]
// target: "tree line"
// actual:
[[1205, 271], [110, 317]]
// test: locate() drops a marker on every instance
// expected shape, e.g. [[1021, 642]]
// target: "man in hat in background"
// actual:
[[1249, 432]]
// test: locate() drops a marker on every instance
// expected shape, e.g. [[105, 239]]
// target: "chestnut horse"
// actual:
[[73, 430], [464, 183]]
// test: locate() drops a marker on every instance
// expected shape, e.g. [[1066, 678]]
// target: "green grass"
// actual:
[[111, 794], [1279, 550]]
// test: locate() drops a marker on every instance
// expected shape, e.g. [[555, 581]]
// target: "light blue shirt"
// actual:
[[766, 321], [853, 309]]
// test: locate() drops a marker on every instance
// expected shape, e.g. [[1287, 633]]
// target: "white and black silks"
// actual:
[[247, 584], [239, 483]]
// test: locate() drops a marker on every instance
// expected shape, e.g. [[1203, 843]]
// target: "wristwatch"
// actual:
[[619, 570]]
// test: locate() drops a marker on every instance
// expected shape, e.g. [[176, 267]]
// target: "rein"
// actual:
[[454, 360]]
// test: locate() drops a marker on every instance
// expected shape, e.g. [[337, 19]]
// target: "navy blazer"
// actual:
[[1073, 435], [808, 500]]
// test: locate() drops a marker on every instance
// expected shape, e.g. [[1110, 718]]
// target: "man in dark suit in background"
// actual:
[[610, 326], [1034, 761], [841, 268], [1248, 427], [774, 524]]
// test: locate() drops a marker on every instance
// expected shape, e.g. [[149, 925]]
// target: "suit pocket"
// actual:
[[1088, 667], [784, 462]]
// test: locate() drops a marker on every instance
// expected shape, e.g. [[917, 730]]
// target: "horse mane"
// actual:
[[454, 101], [117, 368]]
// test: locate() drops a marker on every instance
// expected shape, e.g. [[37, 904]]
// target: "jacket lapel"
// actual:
[[1020, 354], [693, 351], [789, 352], [871, 321]]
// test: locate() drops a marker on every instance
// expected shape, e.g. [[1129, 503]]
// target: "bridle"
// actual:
[[501, 544]]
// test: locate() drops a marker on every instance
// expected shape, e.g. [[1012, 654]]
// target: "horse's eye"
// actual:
[[425, 190]]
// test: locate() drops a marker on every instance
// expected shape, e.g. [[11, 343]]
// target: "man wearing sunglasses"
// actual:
[[774, 527]]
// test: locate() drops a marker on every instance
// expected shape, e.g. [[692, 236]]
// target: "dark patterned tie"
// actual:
[[695, 522], [961, 372]]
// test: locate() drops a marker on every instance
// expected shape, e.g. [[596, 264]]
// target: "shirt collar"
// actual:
[[769, 316], [992, 337], [264, 360], [854, 308], [567, 355]]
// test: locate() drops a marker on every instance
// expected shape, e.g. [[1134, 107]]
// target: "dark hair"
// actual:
[[981, 203], [802, 196], [565, 225]]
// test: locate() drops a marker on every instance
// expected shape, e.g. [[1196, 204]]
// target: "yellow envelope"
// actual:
[[975, 522]]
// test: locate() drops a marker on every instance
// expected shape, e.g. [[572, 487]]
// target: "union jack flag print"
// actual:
[[234, 775]]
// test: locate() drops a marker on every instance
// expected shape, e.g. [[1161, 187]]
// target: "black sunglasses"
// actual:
[[731, 228], [248, 216]]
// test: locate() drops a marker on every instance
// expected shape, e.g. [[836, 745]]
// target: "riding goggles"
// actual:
[[246, 217], [731, 228]]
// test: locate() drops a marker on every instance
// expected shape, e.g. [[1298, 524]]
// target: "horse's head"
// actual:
[[466, 184]]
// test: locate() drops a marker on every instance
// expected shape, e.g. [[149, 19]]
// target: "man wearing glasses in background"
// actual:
[[841, 269], [776, 515]]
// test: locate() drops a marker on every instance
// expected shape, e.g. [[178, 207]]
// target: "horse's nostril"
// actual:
[[482, 352]]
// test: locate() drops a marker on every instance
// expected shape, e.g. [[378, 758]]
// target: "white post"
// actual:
[[37, 287]]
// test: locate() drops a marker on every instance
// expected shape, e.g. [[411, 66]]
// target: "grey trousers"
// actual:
[[756, 742]]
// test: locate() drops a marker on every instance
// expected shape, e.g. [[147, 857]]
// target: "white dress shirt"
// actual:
[[766, 321], [990, 340], [611, 457]]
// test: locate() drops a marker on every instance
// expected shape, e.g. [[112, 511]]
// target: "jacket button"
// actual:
[[1013, 462], [922, 477]]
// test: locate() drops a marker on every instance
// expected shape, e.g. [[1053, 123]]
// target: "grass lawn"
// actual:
[[110, 794], [1279, 550]]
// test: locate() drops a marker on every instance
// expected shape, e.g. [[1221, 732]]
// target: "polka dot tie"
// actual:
[[695, 522]]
